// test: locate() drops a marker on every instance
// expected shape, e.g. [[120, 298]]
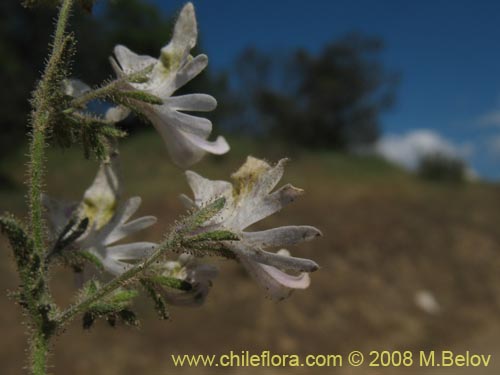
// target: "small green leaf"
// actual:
[[142, 96], [91, 258], [128, 317], [21, 244], [171, 282], [159, 301], [201, 216], [88, 320], [124, 296]]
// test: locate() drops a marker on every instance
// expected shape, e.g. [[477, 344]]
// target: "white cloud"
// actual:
[[490, 119], [406, 150]]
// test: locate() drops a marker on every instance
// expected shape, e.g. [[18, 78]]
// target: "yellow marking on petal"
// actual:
[[98, 211], [247, 175]]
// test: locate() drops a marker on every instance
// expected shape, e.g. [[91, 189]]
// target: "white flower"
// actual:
[[107, 221], [185, 135], [199, 275], [247, 202]]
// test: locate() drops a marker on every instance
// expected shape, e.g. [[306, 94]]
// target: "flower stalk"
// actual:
[[66, 316], [89, 233], [34, 289], [41, 118]]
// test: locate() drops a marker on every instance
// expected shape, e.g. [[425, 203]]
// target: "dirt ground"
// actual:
[[387, 236]]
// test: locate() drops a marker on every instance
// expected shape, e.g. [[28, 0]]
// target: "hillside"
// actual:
[[387, 235]]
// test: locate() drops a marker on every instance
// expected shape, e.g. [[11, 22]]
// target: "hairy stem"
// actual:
[[109, 90], [39, 350], [169, 244], [42, 114], [99, 93], [34, 288]]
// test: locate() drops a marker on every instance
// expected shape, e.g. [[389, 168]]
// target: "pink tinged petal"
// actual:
[[282, 236], [131, 251], [301, 281], [129, 228], [273, 259], [277, 284], [131, 62], [192, 102]]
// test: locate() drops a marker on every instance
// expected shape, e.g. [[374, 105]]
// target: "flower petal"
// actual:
[[277, 284], [58, 213], [184, 148], [75, 88], [273, 259], [258, 176], [192, 102], [187, 202], [190, 124], [183, 39], [251, 212], [205, 190], [190, 70], [131, 62], [116, 114], [115, 267], [124, 230], [131, 251], [282, 236], [217, 147], [99, 200], [122, 214]]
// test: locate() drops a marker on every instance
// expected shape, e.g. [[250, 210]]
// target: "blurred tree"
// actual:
[[24, 37], [332, 100], [441, 167]]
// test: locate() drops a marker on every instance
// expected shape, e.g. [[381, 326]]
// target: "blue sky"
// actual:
[[448, 53]]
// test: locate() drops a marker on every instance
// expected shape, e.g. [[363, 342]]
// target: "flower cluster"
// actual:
[[185, 135], [250, 200], [94, 227], [107, 221]]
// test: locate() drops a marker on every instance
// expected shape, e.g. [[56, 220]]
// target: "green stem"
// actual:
[[37, 151], [35, 287], [99, 93], [110, 89], [170, 243], [40, 122], [39, 350]]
